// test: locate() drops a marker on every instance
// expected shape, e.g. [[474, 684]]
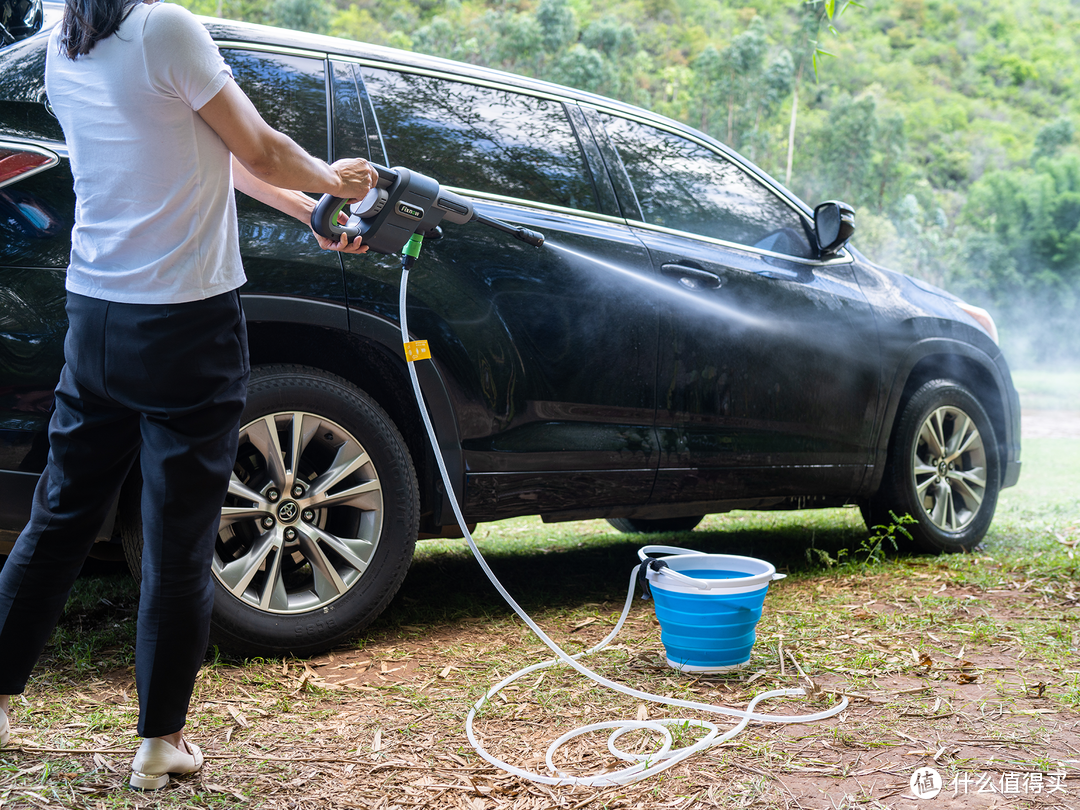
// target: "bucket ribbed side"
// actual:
[[708, 630]]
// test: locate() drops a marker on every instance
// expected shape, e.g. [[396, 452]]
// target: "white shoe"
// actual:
[[5, 728], [156, 759]]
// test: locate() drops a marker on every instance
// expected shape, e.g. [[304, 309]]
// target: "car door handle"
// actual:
[[777, 273], [693, 278]]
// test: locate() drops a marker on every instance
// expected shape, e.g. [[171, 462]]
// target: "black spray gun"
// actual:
[[403, 207]]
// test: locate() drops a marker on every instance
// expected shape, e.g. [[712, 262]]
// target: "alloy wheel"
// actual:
[[303, 516], [949, 468]]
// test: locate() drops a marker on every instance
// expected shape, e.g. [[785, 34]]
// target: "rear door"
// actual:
[[549, 354], [768, 366], [280, 256]]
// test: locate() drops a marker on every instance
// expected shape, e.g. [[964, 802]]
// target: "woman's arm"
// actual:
[[274, 157], [294, 203]]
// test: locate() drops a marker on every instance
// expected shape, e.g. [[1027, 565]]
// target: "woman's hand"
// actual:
[[342, 244], [296, 204], [356, 178]]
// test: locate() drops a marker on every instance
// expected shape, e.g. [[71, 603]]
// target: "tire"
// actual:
[[942, 469], [656, 525], [309, 554]]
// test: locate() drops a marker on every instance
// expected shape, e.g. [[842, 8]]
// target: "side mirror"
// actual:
[[834, 223], [19, 19]]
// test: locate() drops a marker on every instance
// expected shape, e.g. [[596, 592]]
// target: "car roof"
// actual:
[[280, 37]]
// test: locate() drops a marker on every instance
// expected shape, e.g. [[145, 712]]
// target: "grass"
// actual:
[[1051, 390], [966, 662]]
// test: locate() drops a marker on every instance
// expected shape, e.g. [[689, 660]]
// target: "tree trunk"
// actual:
[[791, 129]]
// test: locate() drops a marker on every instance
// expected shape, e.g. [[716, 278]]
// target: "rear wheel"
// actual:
[[942, 470], [320, 522], [656, 525]]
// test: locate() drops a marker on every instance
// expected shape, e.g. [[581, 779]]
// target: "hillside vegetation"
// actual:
[[948, 124]]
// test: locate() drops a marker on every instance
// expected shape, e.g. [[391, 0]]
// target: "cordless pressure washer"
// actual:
[[402, 206]]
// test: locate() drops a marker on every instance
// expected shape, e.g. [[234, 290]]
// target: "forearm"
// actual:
[[294, 203], [283, 164]]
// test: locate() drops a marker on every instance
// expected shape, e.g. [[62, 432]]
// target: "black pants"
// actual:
[[167, 382]]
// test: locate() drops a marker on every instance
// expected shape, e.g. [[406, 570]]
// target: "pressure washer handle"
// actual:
[[326, 218]]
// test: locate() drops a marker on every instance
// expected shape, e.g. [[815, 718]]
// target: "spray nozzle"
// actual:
[[530, 237]]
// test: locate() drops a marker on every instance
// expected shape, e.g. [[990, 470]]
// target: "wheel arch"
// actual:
[[942, 358], [366, 350]]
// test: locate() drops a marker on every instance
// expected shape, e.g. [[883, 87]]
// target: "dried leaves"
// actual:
[[936, 674]]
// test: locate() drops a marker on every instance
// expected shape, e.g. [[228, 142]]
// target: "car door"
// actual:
[[768, 366], [549, 358]]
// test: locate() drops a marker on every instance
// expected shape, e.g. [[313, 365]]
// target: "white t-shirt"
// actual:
[[155, 219]]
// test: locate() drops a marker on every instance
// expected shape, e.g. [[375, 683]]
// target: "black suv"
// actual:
[[691, 339]]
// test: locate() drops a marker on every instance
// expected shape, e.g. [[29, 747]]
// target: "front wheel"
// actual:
[[942, 469]]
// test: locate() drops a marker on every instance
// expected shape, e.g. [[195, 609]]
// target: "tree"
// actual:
[[558, 24], [301, 15], [741, 63], [1052, 138], [804, 51], [1025, 252]]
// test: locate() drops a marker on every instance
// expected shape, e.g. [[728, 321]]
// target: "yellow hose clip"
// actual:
[[417, 350]]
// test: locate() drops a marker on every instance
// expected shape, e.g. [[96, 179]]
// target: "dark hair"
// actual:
[[88, 21]]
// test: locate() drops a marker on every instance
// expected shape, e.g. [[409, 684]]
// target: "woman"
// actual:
[[156, 352]]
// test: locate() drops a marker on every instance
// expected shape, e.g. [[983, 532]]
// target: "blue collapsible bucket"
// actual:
[[708, 605]]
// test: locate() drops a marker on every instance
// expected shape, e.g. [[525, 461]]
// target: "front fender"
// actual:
[[385, 334], [989, 378]]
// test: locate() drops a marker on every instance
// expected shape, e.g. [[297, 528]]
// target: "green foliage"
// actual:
[[301, 15], [872, 549], [883, 538], [1025, 255]]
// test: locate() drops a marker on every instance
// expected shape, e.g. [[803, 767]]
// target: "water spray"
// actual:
[[394, 217]]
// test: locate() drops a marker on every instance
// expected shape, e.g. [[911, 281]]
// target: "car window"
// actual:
[[481, 138], [288, 91], [683, 185]]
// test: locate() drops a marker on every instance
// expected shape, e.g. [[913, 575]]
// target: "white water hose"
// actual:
[[642, 765]]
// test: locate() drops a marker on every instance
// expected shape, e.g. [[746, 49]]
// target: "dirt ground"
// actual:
[[960, 699], [385, 726], [1043, 424]]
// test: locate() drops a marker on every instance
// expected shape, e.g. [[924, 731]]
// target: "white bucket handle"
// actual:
[[701, 584]]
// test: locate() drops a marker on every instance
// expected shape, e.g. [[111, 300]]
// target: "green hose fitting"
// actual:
[[412, 247], [411, 251]]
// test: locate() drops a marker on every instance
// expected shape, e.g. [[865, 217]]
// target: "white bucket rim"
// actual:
[[759, 573]]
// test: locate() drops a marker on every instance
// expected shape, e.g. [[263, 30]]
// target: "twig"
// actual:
[[595, 796], [32, 749], [773, 776]]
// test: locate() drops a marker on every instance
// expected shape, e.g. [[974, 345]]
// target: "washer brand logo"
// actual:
[[410, 210], [288, 511]]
